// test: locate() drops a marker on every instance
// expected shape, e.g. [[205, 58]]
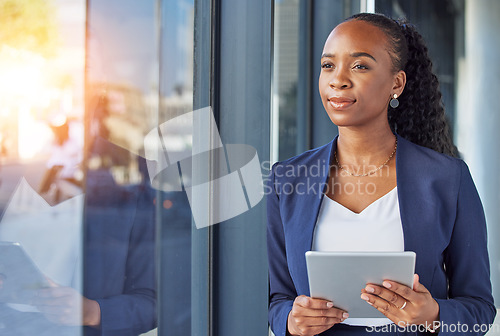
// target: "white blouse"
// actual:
[[51, 236], [377, 228]]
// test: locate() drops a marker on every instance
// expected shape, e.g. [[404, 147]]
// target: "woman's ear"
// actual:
[[399, 82]]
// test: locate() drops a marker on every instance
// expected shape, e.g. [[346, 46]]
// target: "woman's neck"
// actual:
[[358, 147]]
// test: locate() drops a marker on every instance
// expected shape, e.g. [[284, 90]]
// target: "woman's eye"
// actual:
[[360, 67], [326, 66]]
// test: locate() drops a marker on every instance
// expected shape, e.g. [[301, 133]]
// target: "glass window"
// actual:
[[285, 77], [300, 30], [119, 219], [174, 130], [78, 211], [42, 200]]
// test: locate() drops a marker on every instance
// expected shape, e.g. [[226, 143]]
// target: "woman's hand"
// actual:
[[65, 306], [401, 304], [313, 316]]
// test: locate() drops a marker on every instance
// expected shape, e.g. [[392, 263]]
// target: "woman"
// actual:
[[388, 182]]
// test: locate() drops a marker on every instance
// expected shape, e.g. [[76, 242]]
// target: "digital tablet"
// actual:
[[340, 276], [20, 278]]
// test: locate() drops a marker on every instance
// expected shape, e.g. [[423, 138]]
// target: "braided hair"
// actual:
[[420, 117]]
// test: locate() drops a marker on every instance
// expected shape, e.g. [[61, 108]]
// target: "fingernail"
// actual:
[[371, 304], [386, 284], [329, 304], [345, 315], [365, 297], [370, 289]]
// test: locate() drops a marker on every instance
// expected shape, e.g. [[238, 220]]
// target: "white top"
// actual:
[[51, 236], [377, 228]]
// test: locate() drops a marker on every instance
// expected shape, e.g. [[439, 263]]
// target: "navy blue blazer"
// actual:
[[443, 223], [119, 248], [119, 264]]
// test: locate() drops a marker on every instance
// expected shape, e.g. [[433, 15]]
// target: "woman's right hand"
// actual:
[[310, 317]]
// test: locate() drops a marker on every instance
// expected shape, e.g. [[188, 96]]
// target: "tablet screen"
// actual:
[[340, 276], [19, 276]]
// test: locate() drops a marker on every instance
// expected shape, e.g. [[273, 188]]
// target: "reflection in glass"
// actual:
[[82, 219], [119, 227], [41, 150], [173, 212]]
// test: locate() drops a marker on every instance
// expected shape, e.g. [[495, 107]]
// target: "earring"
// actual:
[[394, 101]]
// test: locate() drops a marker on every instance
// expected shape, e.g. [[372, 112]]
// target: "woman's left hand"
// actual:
[[401, 304]]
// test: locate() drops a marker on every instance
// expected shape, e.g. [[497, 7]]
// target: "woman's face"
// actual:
[[357, 80]]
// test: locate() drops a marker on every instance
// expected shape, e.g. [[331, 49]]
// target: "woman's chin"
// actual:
[[342, 121]]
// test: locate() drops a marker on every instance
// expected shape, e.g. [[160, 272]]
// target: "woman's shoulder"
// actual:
[[426, 152], [319, 157], [428, 161]]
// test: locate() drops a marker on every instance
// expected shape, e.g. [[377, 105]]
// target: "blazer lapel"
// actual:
[[307, 208]]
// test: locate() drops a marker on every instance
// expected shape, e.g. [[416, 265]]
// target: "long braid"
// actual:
[[420, 117]]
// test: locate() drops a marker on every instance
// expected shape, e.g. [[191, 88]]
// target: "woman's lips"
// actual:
[[340, 103]]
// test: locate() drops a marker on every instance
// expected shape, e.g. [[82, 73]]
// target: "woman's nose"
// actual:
[[340, 79]]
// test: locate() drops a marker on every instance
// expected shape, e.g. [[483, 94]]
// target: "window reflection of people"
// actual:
[[119, 255], [62, 179], [119, 291], [116, 294], [391, 183]]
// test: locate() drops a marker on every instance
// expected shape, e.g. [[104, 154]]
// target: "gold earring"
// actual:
[[394, 101]]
